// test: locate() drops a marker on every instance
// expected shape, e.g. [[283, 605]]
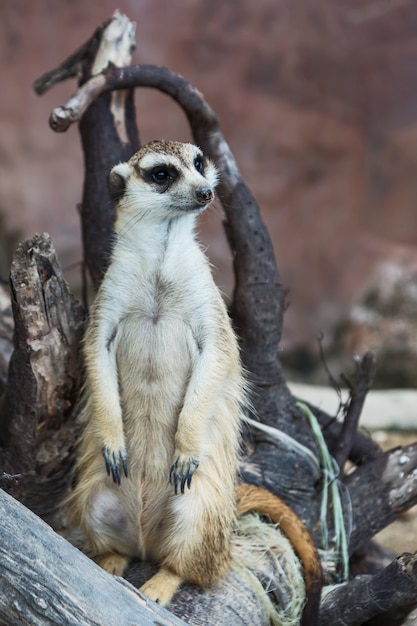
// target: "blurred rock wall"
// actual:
[[317, 99]]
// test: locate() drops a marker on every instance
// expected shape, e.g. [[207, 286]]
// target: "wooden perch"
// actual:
[[38, 565], [44, 580]]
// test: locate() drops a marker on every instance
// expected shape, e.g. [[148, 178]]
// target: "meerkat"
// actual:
[[159, 451]]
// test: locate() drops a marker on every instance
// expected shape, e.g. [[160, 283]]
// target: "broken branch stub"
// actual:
[[108, 130], [109, 135], [367, 596], [43, 374]]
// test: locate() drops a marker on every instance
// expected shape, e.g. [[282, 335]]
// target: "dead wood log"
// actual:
[[42, 380], [40, 583], [44, 580], [380, 491], [366, 596]]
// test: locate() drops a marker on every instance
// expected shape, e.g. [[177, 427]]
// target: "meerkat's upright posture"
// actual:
[[159, 450], [163, 394]]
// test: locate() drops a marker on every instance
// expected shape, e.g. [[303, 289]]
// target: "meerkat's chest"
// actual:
[[156, 337]]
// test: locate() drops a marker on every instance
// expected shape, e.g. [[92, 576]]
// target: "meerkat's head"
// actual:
[[164, 179]]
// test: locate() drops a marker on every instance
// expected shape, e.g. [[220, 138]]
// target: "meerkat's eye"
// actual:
[[160, 174], [199, 164]]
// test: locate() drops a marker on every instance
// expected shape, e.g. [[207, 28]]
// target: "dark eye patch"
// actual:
[[162, 175]]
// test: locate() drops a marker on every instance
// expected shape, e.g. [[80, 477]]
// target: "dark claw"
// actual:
[[114, 466], [115, 471], [183, 475], [105, 452], [173, 468], [177, 480]]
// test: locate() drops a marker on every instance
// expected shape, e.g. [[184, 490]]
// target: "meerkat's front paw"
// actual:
[[182, 471], [162, 586], [116, 462], [113, 563]]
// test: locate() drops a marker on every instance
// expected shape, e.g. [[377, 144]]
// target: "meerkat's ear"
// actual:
[[117, 180]]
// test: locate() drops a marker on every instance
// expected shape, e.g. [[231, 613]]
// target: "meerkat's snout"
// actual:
[[204, 195]]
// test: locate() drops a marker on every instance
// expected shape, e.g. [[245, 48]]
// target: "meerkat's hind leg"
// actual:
[[113, 563], [162, 586]]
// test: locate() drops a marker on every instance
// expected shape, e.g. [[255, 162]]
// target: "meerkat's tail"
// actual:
[[253, 498]]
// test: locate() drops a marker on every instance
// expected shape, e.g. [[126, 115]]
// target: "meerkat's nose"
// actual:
[[204, 195]]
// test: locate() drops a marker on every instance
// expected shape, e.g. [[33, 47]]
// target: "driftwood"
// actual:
[[37, 425], [41, 581]]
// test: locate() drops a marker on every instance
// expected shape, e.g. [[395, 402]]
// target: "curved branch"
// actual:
[[108, 131], [258, 296]]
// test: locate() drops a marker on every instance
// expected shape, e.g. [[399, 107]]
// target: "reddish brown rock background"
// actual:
[[317, 99]]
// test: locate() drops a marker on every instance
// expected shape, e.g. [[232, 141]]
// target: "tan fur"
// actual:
[[164, 387]]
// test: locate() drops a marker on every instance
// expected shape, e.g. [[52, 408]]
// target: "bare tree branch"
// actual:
[[364, 378], [379, 492], [367, 596]]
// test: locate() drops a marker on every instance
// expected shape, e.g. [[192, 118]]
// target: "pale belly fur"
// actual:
[[153, 360]]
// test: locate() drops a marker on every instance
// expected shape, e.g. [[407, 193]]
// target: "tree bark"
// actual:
[[43, 379], [108, 132], [40, 581], [367, 596], [380, 491]]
